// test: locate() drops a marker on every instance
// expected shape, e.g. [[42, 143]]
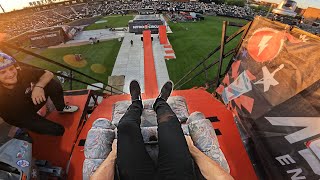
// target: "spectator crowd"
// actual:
[[15, 23]]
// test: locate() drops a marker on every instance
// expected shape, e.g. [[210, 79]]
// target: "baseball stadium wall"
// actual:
[[47, 37], [51, 36]]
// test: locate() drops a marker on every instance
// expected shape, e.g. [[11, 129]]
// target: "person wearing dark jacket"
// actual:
[[24, 91]]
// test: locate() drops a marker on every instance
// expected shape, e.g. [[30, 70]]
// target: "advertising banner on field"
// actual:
[[52, 36], [273, 90], [145, 22], [46, 39]]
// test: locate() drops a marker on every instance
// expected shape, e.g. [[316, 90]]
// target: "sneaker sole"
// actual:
[[139, 87], [170, 91]]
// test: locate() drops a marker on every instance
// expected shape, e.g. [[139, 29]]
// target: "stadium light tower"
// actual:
[[2, 8]]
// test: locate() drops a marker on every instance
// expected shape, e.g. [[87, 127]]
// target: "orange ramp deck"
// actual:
[[57, 150], [197, 100], [150, 77]]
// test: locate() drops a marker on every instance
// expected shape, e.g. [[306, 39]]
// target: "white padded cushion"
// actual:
[[148, 117], [89, 167], [98, 145], [205, 139]]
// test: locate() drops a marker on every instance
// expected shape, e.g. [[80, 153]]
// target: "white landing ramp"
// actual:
[[130, 61], [159, 61]]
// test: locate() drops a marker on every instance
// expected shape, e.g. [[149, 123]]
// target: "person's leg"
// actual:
[[41, 125], [133, 160], [54, 90], [175, 161]]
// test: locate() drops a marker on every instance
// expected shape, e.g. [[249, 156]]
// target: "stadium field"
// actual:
[[112, 21], [192, 41], [103, 53]]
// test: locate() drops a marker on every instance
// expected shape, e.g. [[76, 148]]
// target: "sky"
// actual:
[[9, 5]]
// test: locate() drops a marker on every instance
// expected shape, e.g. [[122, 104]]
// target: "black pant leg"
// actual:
[[133, 160], [41, 125], [175, 161], [54, 90]]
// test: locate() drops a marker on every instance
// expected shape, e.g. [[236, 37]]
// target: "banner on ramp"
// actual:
[[273, 89]]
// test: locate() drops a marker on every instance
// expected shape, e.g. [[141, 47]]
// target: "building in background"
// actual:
[[311, 14], [286, 7]]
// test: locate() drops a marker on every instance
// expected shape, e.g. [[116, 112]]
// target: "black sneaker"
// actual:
[[166, 90], [135, 91]]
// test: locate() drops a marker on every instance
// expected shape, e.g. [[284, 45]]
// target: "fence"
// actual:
[[201, 67]]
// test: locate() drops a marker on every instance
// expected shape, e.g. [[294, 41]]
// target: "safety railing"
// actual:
[[106, 88], [202, 67]]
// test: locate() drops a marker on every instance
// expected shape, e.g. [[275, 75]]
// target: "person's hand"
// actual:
[[190, 142], [38, 95], [114, 148], [106, 170]]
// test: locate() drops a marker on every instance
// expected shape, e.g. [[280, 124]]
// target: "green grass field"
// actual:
[[112, 21], [192, 42], [104, 53]]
